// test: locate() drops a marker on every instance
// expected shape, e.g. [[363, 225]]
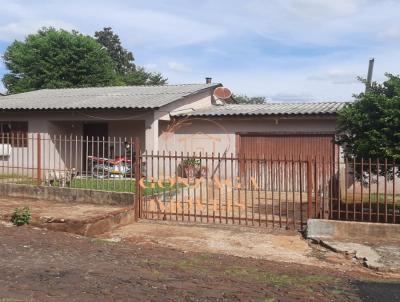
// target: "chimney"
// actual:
[[208, 80], [369, 75]]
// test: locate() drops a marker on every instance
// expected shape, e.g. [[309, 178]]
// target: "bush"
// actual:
[[191, 162], [21, 216]]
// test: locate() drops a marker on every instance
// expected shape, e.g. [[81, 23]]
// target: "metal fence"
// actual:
[[96, 163], [368, 191], [217, 188], [259, 191], [225, 189]]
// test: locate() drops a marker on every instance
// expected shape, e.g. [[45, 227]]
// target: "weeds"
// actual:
[[21, 216]]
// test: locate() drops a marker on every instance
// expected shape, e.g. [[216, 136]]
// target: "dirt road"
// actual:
[[39, 265]]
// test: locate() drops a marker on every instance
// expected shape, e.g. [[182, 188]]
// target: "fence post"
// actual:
[[138, 175], [39, 159], [309, 188]]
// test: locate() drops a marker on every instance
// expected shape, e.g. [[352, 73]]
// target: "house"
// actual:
[[166, 118], [272, 130]]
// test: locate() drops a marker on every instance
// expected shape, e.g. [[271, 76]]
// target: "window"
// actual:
[[14, 133]]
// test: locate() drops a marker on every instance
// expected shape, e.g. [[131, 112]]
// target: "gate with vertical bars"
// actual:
[[234, 190], [215, 188]]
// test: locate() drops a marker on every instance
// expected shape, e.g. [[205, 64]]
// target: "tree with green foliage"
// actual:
[[370, 126], [127, 72], [57, 59], [244, 99], [123, 58]]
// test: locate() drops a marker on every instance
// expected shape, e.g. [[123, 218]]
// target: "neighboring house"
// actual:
[[169, 118]]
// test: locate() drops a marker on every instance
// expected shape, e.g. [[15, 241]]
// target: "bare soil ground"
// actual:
[[45, 208], [241, 241], [40, 265], [82, 219]]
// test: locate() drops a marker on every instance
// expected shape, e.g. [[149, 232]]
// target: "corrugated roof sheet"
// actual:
[[268, 109], [100, 97]]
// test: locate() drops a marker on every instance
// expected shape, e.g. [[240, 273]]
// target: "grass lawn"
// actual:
[[119, 185], [374, 198], [111, 185]]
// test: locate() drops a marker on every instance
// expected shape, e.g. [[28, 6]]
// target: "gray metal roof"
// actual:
[[100, 97], [268, 109]]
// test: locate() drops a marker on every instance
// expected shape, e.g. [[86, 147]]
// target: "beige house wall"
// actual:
[[62, 141], [162, 115], [61, 133], [218, 135]]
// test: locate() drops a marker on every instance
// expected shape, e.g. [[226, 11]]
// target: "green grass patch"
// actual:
[[381, 198], [111, 185], [206, 265], [374, 198], [121, 185], [276, 279]]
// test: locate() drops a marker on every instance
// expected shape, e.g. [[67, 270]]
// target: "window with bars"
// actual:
[[14, 133]]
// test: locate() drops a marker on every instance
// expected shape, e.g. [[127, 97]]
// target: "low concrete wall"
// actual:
[[91, 227], [67, 194], [333, 229]]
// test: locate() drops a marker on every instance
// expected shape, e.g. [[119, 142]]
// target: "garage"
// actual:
[[287, 146]]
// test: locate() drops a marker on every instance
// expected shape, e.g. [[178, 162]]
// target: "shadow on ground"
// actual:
[[378, 291]]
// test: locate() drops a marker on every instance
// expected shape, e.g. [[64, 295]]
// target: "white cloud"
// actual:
[[336, 76], [322, 9], [150, 66], [18, 30], [288, 50], [137, 25], [177, 67], [391, 33]]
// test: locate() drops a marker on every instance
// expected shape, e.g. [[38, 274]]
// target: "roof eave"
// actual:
[[79, 108], [260, 115]]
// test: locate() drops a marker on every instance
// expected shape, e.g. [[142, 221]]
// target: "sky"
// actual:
[[288, 51]]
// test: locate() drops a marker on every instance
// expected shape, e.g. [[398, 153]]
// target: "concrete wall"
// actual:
[[187, 104], [219, 134], [23, 156], [367, 231], [67, 152], [67, 195], [62, 144]]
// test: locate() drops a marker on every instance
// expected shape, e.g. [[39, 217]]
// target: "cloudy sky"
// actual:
[[292, 50]]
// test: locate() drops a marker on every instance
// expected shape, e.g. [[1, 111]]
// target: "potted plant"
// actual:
[[191, 167]]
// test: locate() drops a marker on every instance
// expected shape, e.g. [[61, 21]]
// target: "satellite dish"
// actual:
[[222, 93]]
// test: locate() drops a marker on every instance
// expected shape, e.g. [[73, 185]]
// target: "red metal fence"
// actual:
[[259, 191], [95, 163], [225, 189], [217, 188]]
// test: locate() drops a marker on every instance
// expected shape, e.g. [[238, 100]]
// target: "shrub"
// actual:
[[21, 216], [191, 162]]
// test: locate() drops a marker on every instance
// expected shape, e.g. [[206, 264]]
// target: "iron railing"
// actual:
[[220, 188]]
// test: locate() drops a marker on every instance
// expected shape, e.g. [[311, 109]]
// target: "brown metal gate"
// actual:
[[213, 188]]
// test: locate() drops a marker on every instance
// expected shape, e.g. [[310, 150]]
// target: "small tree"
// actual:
[[370, 126], [57, 59], [128, 73], [123, 58]]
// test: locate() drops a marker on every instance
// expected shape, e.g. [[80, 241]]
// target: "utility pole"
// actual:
[[369, 76]]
